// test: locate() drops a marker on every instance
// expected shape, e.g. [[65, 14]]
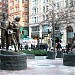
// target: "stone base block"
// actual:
[[69, 59], [59, 54], [13, 61], [51, 55]]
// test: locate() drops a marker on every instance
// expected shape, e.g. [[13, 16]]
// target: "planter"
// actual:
[[50, 55], [69, 59], [59, 54], [13, 61]]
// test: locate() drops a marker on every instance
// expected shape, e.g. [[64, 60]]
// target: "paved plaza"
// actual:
[[42, 66]]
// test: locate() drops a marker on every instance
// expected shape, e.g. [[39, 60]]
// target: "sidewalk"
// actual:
[[42, 66]]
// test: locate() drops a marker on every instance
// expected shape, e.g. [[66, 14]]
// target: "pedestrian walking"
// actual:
[[26, 46], [58, 46], [73, 44], [68, 48], [21, 46], [46, 46]]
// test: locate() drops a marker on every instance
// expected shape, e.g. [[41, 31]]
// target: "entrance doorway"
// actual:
[[69, 31]]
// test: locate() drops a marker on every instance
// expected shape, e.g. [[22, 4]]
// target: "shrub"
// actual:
[[36, 52]]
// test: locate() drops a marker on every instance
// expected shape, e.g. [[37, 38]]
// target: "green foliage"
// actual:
[[36, 52]]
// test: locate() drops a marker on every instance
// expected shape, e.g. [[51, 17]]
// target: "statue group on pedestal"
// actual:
[[11, 34]]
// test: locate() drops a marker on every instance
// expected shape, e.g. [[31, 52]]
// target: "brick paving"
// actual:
[[42, 66]]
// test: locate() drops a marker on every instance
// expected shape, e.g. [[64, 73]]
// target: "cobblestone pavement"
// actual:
[[42, 66]]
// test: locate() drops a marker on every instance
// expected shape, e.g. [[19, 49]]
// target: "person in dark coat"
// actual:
[[21, 46], [46, 46], [26, 46], [68, 48], [58, 46], [73, 43]]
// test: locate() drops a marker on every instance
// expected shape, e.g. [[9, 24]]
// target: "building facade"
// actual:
[[20, 8], [66, 22], [3, 7], [39, 20]]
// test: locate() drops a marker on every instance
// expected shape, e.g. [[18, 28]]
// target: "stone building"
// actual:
[[39, 20], [66, 20]]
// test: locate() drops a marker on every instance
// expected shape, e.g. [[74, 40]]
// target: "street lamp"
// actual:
[[51, 54], [49, 41], [53, 23]]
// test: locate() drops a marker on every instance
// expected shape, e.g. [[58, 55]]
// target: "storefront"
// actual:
[[24, 32]]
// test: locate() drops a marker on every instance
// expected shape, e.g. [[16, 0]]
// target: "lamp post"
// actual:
[[53, 27], [51, 54], [49, 41], [53, 23]]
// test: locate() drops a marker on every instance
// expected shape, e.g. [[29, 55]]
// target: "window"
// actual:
[[46, 17], [22, 8], [26, 23], [23, 15], [12, 3], [58, 5], [34, 19], [43, 17], [37, 18], [22, 1], [26, 9], [43, 8], [66, 3], [23, 23], [46, 8], [26, 16], [12, 10], [0, 10], [46, 0], [71, 3], [26, 1], [17, 9], [36, 28], [18, 1], [0, 0], [0, 5], [43, 1], [34, 10], [56, 28]]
